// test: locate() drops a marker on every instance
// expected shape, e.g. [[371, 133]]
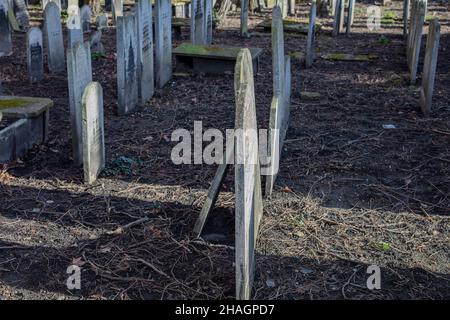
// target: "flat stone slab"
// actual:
[[210, 59], [349, 57], [23, 107], [289, 25]]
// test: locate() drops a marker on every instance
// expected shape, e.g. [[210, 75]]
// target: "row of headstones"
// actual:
[[341, 22], [413, 45]]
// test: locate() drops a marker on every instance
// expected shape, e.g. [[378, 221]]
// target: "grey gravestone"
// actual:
[[54, 38], [145, 51], [117, 9], [406, 12], [35, 54], [93, 132], [85, 15], [5, 30], [57, 2], [415, 37], [21, 12], [277, 51], [95, 42], [278, 125], [101, 21], [244, 18], [292, 7], [429, 66], [79, 74], [342, 16], [337, 17], [74, 32], [208, 21], [248, 198], [163, 42], [127, 84], [310, 47], [351, 14], [198, 23]]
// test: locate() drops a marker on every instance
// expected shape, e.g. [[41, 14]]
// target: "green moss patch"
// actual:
[[349, 57], [13, 103]]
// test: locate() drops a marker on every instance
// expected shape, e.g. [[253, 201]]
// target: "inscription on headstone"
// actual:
[[54, 37], [35, 56]]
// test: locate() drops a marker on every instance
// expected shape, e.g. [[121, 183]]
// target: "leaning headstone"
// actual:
[[5, 31], [277, 51], [145, 51], [79, 74], [95, 41], [248, 198], [310, 48], [35, 54], [101, 21], [198, 23], [244, 18], [74, 32], [429, 66], [92, 132], [86, 15], [127, 84], [415, 37], [163, 42], [208, 21], [54, 38]]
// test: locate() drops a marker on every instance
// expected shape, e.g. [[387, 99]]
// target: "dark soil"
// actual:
[[349, 193]]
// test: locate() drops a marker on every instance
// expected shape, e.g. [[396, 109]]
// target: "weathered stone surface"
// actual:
[[349, 57], [74, 32], [406, 12], [127, 63], [5, 30], [244, 18], [79, 74], [57, 2], [21, 13], [277, 51], [163, 42], [145, 51], [95, 42], [291, 25], [101, 21], [310, 41], [93, 132], [248, 198], [337, 17], [310, 96], [418, 9], [198, 31], [54, 37], [35, 54], [429, 66], [208, 21], [117, 9], [351, 15], [85, 15]]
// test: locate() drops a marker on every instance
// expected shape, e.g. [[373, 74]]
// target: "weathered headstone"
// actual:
[[85, 15], [117, 9], [310, 47], [292, 7], [92, 132], [337, 17], [57, 2], [163, 42], [79, 74], [35, 54], [5, 31], [74, 32], [429, 66], [198, 33], [95, 41], [351, 14], [21, 13], [248, 198], [415, 37], [342, 16], [101, 21], [406, 12], [208, 21], [127, 63], [244, 18], [145, 51], [54, 38], [277, 51]]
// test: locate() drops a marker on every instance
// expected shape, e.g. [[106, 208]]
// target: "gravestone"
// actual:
[[79, 74], [244, 18], [198, 31], [54, 38], [415, 37], [351, 14], [406, 13], [342, 16], [127, 63], [163, 42], [5, 30], [57, 2], [101, 21], [86, 15], [337, 17], [292, 7], [145, 51], [95, 42], [21, 13], [248, 198], [117, 9], [310, 47], [278, 125], [74, 32], [429, 66], [35, 54], [277, 51], [208, 21], [92, 132]]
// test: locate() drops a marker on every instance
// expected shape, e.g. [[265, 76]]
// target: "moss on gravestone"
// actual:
[[13, 103]]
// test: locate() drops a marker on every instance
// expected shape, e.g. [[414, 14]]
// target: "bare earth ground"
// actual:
[[349, 193]]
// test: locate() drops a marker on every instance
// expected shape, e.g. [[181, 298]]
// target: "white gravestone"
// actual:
[[310, 47], [35, 54], [54, 38], [92, 132], [79, 74], [74, 32], [163, 42], [127, 84]]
